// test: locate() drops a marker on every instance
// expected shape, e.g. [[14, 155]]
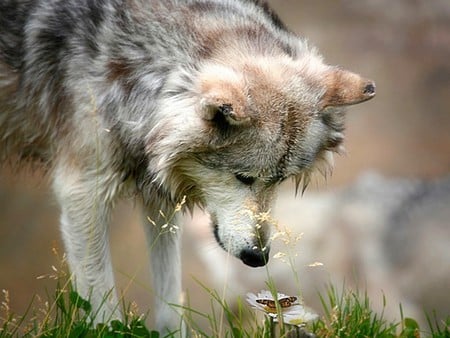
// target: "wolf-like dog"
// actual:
[[212, 101]]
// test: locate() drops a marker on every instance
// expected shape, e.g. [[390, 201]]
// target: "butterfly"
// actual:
[[284, 302]]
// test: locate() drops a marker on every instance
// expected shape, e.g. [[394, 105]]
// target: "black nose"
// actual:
[[255, 257]]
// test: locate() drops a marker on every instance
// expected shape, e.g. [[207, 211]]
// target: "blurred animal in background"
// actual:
[[386, 235]]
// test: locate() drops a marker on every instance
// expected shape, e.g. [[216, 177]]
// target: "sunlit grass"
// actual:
[[346, 314], [266, 314]]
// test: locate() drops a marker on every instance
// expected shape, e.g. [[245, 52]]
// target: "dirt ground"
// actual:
[[403, 133]]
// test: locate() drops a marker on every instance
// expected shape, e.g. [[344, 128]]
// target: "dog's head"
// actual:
[[235, 132]]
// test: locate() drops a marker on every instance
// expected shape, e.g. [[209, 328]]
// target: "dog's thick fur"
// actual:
[[214, 100]]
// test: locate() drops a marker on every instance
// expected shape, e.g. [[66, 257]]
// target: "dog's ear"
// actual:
[[222, 96], [223, 111], [345, 88]]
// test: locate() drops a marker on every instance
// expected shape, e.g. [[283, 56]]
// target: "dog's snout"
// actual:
[[255, 257]]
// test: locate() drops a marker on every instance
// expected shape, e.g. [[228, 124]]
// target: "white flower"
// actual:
[[290, 308], [298, 316]]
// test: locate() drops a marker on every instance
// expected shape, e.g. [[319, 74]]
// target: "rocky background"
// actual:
[[381, 222]]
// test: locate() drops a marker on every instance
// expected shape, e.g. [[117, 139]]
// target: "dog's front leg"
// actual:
[[164, 240], [85, 199]]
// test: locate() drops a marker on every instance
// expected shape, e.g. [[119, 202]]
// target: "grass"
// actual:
[[66, 314], [346, 314]]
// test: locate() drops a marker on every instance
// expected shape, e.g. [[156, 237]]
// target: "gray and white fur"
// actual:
[[212, 100]]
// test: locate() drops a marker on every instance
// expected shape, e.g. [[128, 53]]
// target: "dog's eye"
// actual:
[[247, 180]]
